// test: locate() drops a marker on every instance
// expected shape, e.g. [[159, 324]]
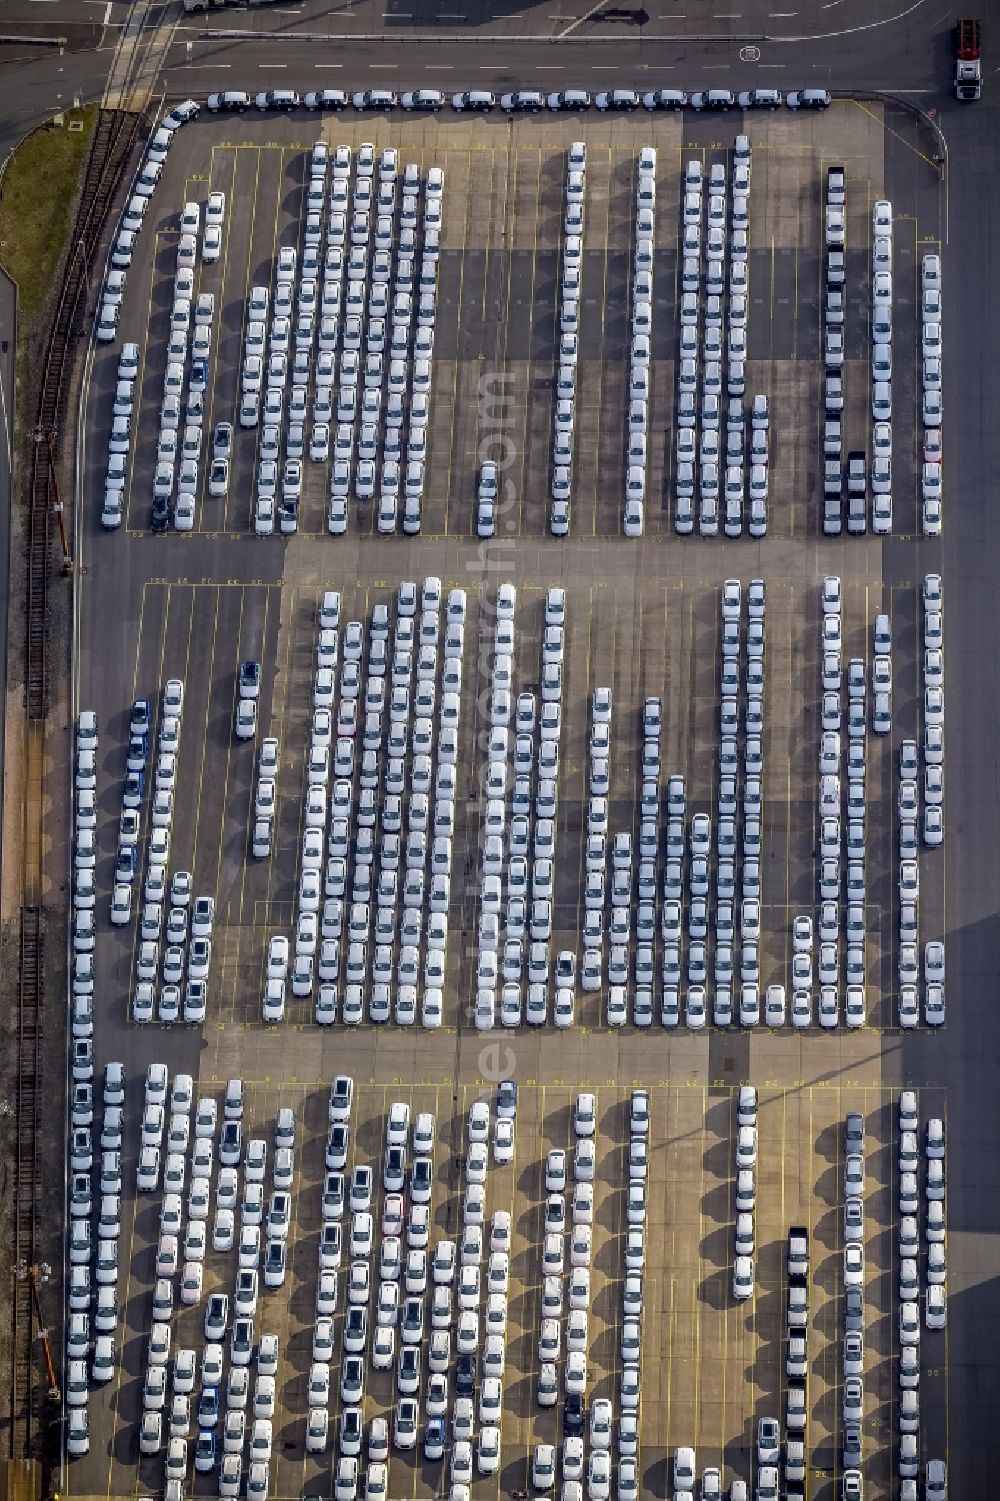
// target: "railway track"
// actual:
[[114, 137], [26, 1176]]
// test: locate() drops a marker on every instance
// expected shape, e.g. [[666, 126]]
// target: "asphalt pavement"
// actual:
[[966, 1057], [910, 56]]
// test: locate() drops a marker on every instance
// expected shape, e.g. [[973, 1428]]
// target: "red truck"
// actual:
[[968, 67]]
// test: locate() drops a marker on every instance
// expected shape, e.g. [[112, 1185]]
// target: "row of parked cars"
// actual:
[[836, 841], [834, 334], [603, 849], [797, 1375], [577, 1221], [120, 438], [718, 225], [834, 313], [920, 810], [95, 1196], [569, 328], [147, 176], [518, 101], [84, 878], [216, 1408], [931, 794], [914, 1155], [930, 378], [406, 1268], [378, 309], [881, 364], [745, 1151], [642, 325], [737, 990], [523, 852], [354, 877], [852, 1391], [179, 448], [376, 337], [736, 841], [169, 914], [829, 793]]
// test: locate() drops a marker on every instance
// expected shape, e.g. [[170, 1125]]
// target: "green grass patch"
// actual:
[[36, 200]]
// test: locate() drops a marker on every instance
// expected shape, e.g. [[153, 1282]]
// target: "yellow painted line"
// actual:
[[280, 720], [229, 747], [200, 781], [879, 119], [144, 810]]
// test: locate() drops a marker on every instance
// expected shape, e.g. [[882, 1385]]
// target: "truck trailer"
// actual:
[[968, 66]]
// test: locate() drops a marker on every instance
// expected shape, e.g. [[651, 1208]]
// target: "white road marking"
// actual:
[[585, 17]]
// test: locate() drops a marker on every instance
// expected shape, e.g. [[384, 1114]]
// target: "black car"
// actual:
[[326, 99], [375, 99], [272, 99], [465, 1375], [160, 518], [618, 99], [574, 1415], [569, 99], [760, 99], [713, 99], [422, 99], [808, 99], [230, 100], [479, 100], [665, 99], [527, 99]]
